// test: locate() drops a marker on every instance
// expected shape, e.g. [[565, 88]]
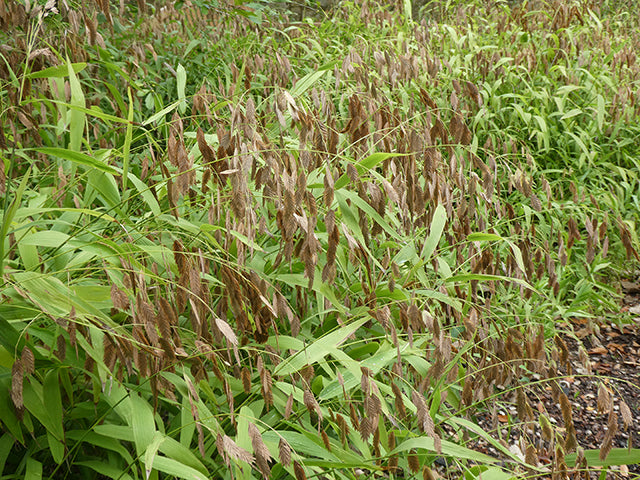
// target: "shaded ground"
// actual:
[[614, 359]]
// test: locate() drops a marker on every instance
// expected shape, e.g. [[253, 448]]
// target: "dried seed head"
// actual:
[[166, 317], [427, 474], [546, 427], [414, 462], [109, 355], [612, 429], [355, 422], [284, 451], [571, 441], [467, 391], [246, 380], [260, 450], [531, 455], [232, 450], [288, 407], [364, 380], [28, 361], [299, 471], [328, 188], [119, 298], [373, 406], [605, 401], [325, 439], [17, 377], [625, 412], [344, 428], [61, 347], [311, 403], [146, 316], [398, 401], [525, 413], [266, 383], [206, 151]]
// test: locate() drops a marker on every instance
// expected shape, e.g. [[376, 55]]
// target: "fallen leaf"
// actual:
[[598, 351], [630, 287], [615, 346], [583, 332]]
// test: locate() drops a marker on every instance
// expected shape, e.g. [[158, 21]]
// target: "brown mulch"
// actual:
[[614, 357]]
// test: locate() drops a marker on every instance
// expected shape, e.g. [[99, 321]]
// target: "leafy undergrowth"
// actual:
[[235, 247]]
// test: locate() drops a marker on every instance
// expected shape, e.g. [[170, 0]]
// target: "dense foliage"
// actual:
[[238, 246]]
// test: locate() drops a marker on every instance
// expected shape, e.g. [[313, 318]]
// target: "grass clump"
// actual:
[[235, 249]]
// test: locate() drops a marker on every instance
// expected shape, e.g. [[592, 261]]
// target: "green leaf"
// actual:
[[94, 111], [438, 222], [119, 432], [101, 441], [76, 157], [408, 10], [53, 297], [181, 453], [76, 117], [374, 160], [571, 113], [142, 422], [187, 423], [541, 123], [53, 401], [369, 210], [181, 77], [9, 335], [7, 409], [448, 449], [617, 456], [28, 254], [299, 443], [58, 71], [111, 471], [468, 277], [517, 254], [32, 212], [6, 444], [127, 142], [600, 112], [483, 472], [56, 447], [145, 192], [161, 114], [34, 401], [382, 359], [151, 452], [486, 437], [177, 469], [105, 184], [10, 212], [483, 237], [192, 44], [34, 470], [305, 83], [318, 349], [47, 239]]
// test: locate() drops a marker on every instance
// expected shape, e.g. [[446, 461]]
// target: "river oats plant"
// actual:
[[239, 246]]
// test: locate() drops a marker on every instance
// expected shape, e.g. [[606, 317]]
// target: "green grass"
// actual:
[[235, 246]]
